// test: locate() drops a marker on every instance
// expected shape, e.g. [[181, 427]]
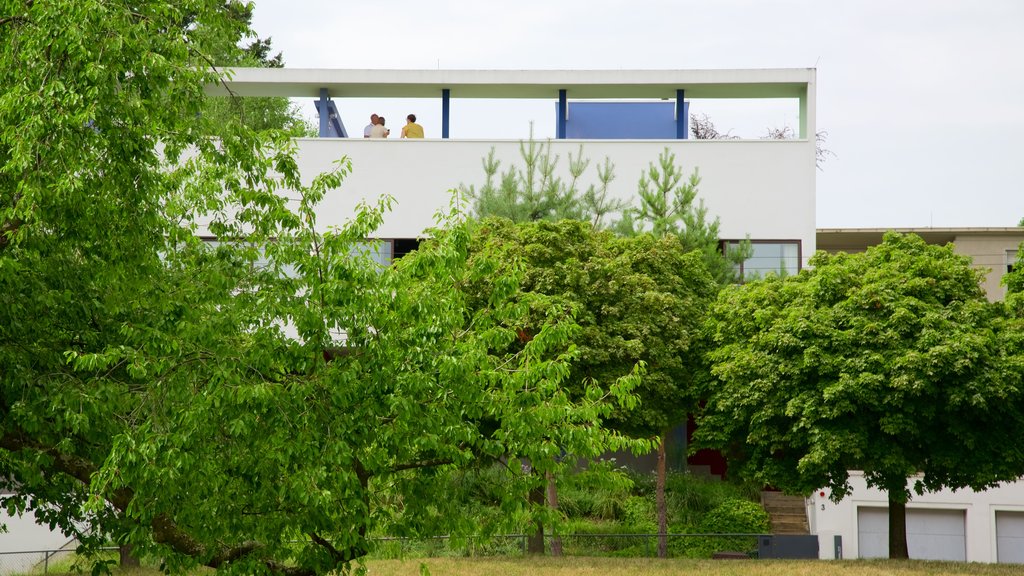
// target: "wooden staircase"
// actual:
[[788, 514]]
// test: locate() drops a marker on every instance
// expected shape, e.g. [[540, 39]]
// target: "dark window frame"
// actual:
[[724, 242]]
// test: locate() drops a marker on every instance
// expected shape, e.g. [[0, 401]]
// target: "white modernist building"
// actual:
[[764, 189], [761, 189]]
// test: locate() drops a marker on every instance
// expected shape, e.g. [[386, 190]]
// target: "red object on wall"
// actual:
[[710, 458]]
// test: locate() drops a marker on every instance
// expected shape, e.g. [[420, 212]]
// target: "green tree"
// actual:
[[257, 113], [669, 206], [535, 192], [639, 301], [887, 362], [259, 405]]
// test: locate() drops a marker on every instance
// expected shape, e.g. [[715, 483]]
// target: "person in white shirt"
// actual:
[[368, 131]]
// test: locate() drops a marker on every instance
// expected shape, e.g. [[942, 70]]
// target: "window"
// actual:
[[1011, 259], [379, 251], [780, 257]]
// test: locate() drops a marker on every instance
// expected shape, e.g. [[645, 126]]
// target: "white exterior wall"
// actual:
[[761, 188], [24, 535], [829, 519], [989, 252]]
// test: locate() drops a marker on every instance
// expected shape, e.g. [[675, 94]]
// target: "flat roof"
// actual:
[[579, 84], [839, 238]]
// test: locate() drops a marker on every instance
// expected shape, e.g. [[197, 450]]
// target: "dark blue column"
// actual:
[[563, 114], [325, 114], [446, 97], [682, 116]]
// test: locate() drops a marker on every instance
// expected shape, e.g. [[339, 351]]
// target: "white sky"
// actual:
[[923, 100]]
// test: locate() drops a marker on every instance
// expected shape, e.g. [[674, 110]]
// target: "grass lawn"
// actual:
[[642, 566]]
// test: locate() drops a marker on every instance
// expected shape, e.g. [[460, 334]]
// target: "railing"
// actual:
[[623, 545], [635, 545], [37, 561]]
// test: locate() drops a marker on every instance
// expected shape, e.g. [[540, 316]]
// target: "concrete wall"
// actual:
[[989, 252], [828, 518], [762, 188]]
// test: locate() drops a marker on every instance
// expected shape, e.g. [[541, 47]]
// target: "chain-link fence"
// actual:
[[625, 545], [41, 561], [622, 545]]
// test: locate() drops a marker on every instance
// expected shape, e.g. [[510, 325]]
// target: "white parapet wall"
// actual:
[[764, 189]]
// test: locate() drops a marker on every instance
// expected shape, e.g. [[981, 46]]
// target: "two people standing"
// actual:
[[376, 128]]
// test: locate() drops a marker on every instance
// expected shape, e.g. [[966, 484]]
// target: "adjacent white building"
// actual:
[[962, 525]]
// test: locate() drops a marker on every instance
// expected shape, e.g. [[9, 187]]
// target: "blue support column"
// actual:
[[446, 97], [682, 116], [563, 114], [325, 114]]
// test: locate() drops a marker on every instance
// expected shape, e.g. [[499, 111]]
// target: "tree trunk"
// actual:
[[535, 542], [128, 559], [659, 496], [898, 525], [556, 542]]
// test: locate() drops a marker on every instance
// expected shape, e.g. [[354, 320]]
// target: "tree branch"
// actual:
[[422, 464], [7, 19], [165, 530]]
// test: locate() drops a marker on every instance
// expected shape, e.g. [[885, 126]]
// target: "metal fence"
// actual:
[[39, 561], [625, 545], [621, 545]]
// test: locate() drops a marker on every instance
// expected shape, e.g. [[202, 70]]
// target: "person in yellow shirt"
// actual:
[[411, 128]]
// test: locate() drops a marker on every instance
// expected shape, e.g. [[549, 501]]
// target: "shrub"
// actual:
[[639, 512], [733, 516], [586, 494]]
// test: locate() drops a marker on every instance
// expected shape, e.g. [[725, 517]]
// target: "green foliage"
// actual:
[[628, 504], [256, 113], [596, 493], [1014, 282], [690, 498], [266, 404], [639, 302], [732, 516], [888, 362], [534, 191], [667, 208], [668, 205], [735, 516]]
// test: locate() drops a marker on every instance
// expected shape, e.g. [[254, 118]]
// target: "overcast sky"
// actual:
[[923, 100]]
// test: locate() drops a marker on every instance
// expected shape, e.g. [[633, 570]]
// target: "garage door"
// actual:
[[1010, 537], [931, 534]]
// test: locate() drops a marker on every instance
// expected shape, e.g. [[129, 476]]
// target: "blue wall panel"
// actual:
[[621, 120]]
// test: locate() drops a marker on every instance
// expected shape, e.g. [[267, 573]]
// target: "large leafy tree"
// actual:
[[889, 362], [667, 208], [639, 300], [259, 405], [255, 112]]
